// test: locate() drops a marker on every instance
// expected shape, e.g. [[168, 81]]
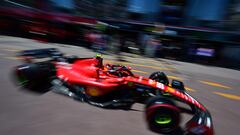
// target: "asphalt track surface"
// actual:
[[24, 113]]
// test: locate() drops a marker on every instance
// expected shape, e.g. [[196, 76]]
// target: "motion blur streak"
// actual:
[[230, 96], [215, 84]]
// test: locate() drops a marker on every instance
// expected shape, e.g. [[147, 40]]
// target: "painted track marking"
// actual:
[[139, 71], [230, 96], [215, 84], [190, 89], [175, 77]]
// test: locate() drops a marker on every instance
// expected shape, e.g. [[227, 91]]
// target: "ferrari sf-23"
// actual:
[[114, 86]]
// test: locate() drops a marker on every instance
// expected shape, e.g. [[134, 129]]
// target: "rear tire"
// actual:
[[34, 76]]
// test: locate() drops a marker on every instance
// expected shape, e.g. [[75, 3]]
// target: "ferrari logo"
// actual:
[[160, 86], [92, 91]]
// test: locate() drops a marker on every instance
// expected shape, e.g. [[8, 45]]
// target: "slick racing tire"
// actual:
[[162, 115], [33, 76]]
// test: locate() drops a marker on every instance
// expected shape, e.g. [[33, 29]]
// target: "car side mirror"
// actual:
[[178, 85]]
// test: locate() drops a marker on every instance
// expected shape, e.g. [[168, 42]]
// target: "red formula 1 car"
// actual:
[[115, 86]]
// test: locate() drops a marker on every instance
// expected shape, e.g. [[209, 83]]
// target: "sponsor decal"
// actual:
[[170, 90], [140, 78], [150, 81], [195, 102], [92, 91], [160, 86]]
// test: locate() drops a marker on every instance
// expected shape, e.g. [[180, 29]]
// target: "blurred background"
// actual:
[[199, 31], [186, 39]]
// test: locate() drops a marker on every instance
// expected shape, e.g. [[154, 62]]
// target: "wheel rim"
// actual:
[[163, 119]]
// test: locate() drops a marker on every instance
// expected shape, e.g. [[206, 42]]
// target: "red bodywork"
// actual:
[[98, 81]]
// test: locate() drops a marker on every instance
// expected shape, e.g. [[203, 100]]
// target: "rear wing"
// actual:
[[40, 53]]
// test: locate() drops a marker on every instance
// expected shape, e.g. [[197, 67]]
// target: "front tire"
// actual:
[[162, 115]]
